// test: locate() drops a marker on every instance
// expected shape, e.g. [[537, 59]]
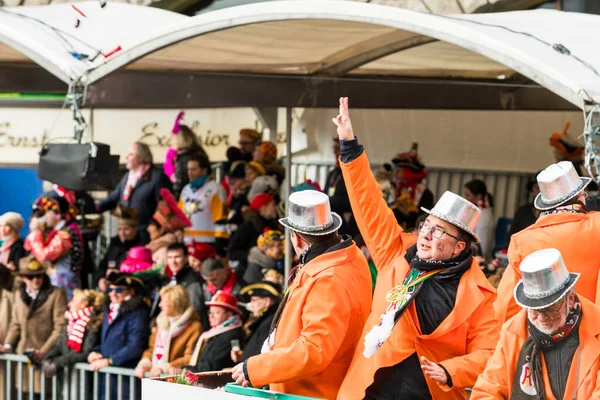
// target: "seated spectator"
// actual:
[[266, 154], [37, 318], [11, 250], [213, 349], [55, 238], [254, 169], [139, 188], [268, 254], [124, 333], [264, 184], [263, 214], [167, 219], [264, 301], [126, 238], [84, 319], [476, 192], [237, 193], [184, 275], [197, 253], [204, 203], [219, 278], [177, 330]]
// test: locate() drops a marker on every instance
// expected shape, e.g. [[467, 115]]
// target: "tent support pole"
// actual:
[[288, 188]]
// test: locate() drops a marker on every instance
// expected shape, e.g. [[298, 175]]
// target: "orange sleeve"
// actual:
[[482, 338], [494, 382], [324, 324], [377, 224], [505, 306]]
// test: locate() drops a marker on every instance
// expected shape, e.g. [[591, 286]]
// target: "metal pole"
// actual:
[[288, 188]]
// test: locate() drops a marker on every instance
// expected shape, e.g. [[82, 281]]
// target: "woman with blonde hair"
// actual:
[[177, 330], [84, 320]]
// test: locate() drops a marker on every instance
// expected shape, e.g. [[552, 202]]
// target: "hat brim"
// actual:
[[458, 224], [542, 205], [535, 304], [223, 305], [41, 271], [337, 223]]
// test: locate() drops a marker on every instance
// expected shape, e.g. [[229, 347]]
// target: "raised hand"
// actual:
[[342, 121]]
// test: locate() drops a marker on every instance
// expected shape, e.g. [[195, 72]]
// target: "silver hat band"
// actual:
[[316, 228], [547, 293], [565, 197]]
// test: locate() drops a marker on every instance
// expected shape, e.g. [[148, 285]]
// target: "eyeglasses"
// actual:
[[552, 313], [116, 290], [243, 142], [32, 277], [436, 231]]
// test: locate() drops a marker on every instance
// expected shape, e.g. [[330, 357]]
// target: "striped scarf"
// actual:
[[77, 322], [233, 322]]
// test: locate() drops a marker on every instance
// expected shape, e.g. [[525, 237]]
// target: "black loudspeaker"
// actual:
[[79, 166]]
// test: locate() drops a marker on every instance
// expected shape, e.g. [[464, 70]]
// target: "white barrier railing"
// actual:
[[77, 383]]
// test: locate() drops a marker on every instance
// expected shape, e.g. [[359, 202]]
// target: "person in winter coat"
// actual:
[[262, 214], [564, 224], [84, 319], [527, 214], [12, 247], [265, 256], [7, 299], [124, 333], [212, 351], [219, 278], [551, 348], [37, 317], [432, 327], [264, 300], [139, 188], [318, 324], [184, 275], [175, 335]]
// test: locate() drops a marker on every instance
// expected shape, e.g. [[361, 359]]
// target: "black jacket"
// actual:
[[217, 352], [524, 217], [189, 279], [259, 332], [335, 188], [144, 198], [64, 356], [16, 252]]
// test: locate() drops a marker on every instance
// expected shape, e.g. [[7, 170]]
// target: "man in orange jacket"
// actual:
[[432, 326], [318, 324], [564, 224], [550, 349]]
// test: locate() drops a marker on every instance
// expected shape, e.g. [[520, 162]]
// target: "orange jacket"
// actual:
[[497, 379], [576, 236], [327, 307], [464, 340]]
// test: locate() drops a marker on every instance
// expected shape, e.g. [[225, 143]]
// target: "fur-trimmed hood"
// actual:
[[256, 256], [163, 323]]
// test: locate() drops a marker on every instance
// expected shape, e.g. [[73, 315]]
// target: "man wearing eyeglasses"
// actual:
[[249, 138], [432, 327], [550, 349], [565, 224], [124, 333]]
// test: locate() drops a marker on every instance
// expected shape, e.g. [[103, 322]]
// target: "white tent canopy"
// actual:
[[310, 38]]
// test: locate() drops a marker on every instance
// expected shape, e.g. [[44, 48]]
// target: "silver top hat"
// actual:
[[458, 211], [309, 212], [545, 280], [558, 184]]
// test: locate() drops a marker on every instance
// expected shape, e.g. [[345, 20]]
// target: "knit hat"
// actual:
[[263, 184], [268, 237], [13, 219], [201, 251], [261, 200], [269, 152], [257, 167], [308, 185], [58, 204], [251, 133]]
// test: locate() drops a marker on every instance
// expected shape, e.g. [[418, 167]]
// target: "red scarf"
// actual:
[[227, 288], [77, 322], [133, 179]]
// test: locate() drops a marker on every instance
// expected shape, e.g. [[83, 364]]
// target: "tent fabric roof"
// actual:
[[313, 37]]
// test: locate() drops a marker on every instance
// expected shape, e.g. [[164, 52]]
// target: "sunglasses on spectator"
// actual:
[[116, 290], [32, 277]]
